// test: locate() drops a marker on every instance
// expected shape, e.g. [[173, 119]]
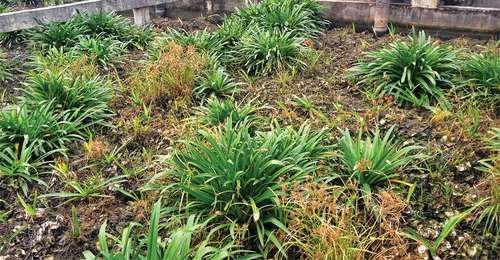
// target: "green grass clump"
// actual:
[[70, 94], [416, 71], [238, 175], [59, 35], [481, 74], [94, 33], [374, 161], [490, 206], [101, 50], [216, 82], [6, 66], [215, 113], [263, 51]]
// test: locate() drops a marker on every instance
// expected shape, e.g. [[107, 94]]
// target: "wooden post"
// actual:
[[141, 16], [381, 17]]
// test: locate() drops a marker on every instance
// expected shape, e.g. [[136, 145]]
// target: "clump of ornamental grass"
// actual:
[[13, 37], [56, 34], [415, 71], [481, 77], [217, 82], [305, 17], [202, 41], [70, 93], [375, 161], [489, 212], [105, 51], [215, 113], [133, 245], [236, 175], [262, 51], [107, 25], [170, 72]]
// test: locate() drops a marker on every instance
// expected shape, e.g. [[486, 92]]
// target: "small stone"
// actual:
[[421, 249], [472, 251]]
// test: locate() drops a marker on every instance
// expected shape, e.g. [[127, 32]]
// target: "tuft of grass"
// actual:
[[177, 246], [66, 93], [262, 51], [216, 82], [481, 80], [6, 67], [55, 34], [106, 25], [215, 113], [415, 71], [101, 50], [490, 206], [326, 223], [375, 162], [237, 175]]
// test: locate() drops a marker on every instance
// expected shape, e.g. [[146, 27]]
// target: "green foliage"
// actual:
[[215, 113], [4, 8], [204, 41], [374, 162], [13, 37], [70, 93], [18, 163], [107, 25], [416, 71], [228, 35], [482, 77], [6, 66], [490, 206], [54, 34], [177, 246], [239, 175], [217, 82], [287, 17], [101, 50], [77, 233], [141, 36], [305, 17], [90, 188], [263, 51], [28, 208], [305, 104], [42, 125]]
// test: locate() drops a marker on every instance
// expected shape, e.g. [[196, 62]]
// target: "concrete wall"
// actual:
[[360, 12], [486, 3], [26, 19]]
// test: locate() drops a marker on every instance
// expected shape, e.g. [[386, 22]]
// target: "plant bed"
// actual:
[[263, 172]]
